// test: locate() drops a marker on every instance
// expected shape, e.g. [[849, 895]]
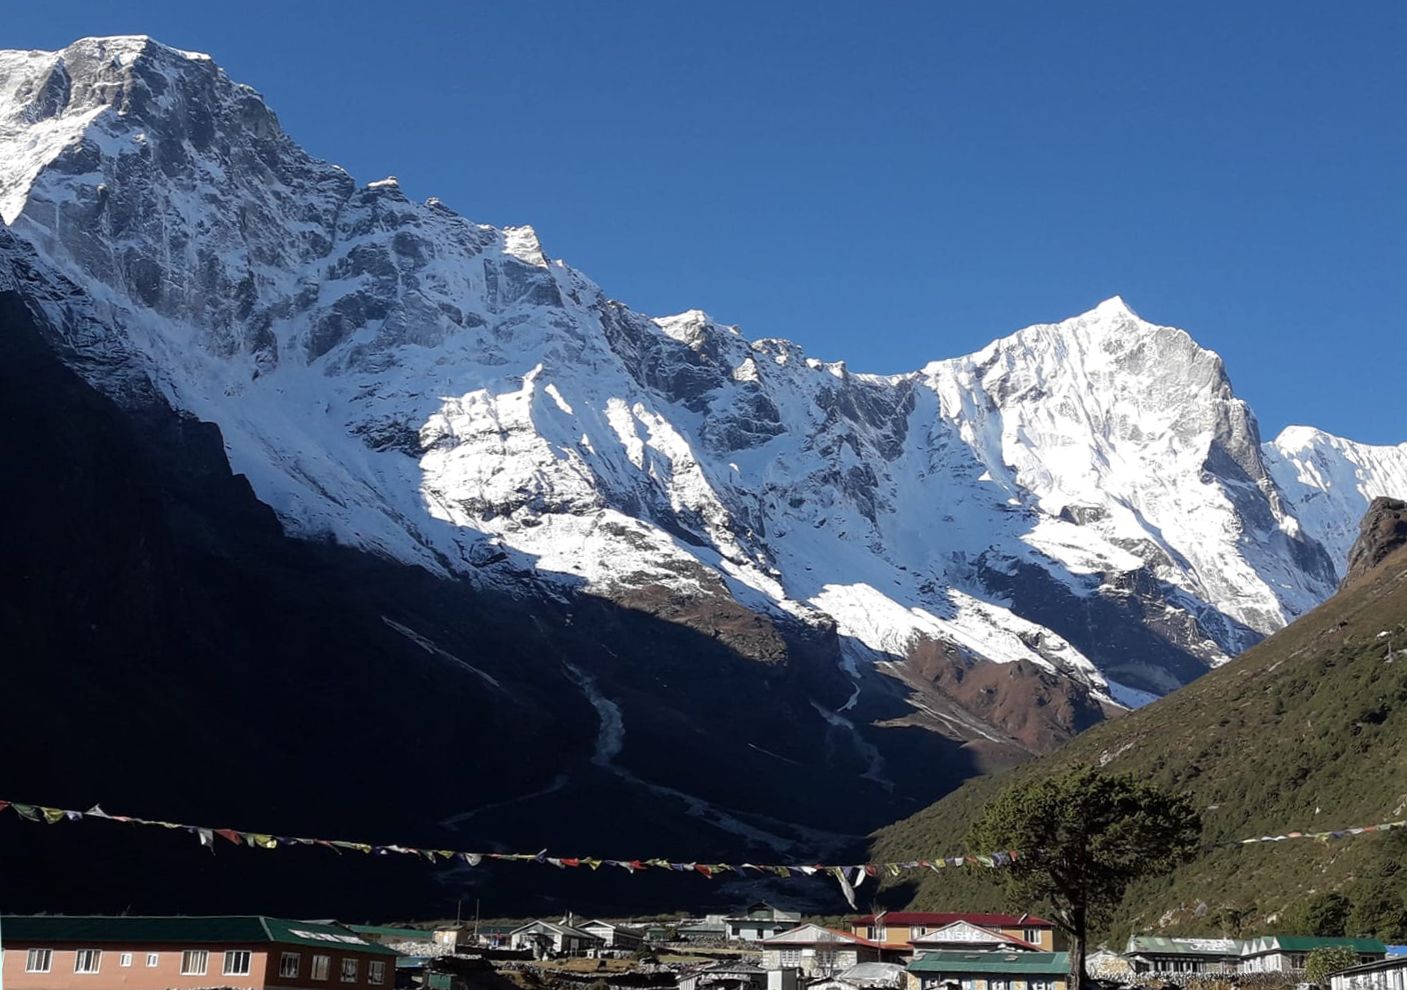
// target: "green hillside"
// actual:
[[1307, 732]]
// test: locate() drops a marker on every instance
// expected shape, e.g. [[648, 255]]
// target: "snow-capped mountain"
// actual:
[[1086, 499], [1330, 482]]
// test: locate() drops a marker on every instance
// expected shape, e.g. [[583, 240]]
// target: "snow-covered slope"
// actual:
[[1330, 481], [1088, 497]]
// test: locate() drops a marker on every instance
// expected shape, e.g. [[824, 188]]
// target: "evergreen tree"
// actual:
[[1081, 838]]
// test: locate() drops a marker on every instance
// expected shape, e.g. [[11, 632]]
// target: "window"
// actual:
[[87, 960], [1040, 985], [125, 959], [152, 959], [376, 972], [998, 984], [349, 970], [237, 962], [1032, 935], [321, 966], [194, 962], [791, 957], [288, 964], [39, 961]]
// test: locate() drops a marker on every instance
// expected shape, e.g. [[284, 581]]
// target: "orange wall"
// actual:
[[111, 975], [899, 934], [166, 975]]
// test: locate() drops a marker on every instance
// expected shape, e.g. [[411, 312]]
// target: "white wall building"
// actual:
[[615, 936], [819, 953], [1385, 974]]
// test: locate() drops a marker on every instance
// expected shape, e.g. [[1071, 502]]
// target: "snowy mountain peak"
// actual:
[[1088, 498], [1114, 308], [522, 243], [1330, 481], [1295, 437]]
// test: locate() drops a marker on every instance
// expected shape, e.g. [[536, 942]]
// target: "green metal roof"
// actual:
[[1039, 963], [183, 929]]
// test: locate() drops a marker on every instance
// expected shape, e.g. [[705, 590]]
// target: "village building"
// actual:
[[727, 974], [760, 921], [1156, 954], [712, 928], [445, 971], [984, 970], [1106, 964], [865, 976], [552, 938], [492, 936], [187, 953], [615, 936], [387, 935], [661, 932], [965, 936], [454, 937], [1288, 953], [895, 929], [1384, 974], [817, 952]]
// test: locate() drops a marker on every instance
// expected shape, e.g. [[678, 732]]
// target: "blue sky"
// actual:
[[890, 182]]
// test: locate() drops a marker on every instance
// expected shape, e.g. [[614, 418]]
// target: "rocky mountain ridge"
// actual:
[[1085, 504], [1280, 740]]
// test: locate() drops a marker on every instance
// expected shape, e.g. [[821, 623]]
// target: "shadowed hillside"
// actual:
[[1307, 731]]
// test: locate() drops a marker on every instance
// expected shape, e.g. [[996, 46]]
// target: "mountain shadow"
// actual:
[[171, 654]]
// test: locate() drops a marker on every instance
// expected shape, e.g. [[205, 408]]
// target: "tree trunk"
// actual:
[[1078, 936]]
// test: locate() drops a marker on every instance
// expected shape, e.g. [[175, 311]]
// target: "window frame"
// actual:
[[203, 955], [125, 960], [283, 968], [95, 955], [376, 972], [153, 960], [320, 962], [352, 965], [39, 953], [231, 955]]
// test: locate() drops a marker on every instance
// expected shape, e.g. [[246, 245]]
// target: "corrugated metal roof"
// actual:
[[874, 974], [183, 929], [937, 937], [1391, 962], [1158, 945], [1049, 963], [810, 934], [948, 917], [1308, 943]]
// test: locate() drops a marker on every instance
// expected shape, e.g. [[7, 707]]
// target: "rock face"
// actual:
[[1088, 500], [1382, 533]]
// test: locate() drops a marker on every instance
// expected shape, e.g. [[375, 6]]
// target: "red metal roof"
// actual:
[[939, 918]]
